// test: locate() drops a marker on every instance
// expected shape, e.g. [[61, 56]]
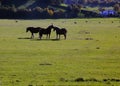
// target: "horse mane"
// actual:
[[56, 28], [49, 27]]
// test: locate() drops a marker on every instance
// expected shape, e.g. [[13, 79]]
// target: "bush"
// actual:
[[81, 15]]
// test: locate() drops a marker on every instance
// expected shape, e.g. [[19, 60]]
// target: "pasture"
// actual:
[[89, 56]]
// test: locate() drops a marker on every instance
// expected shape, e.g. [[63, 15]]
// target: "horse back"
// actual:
[[44, 31], [63, 30], [34, 29], [29, 29]]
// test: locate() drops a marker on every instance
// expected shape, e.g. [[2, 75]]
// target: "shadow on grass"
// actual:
[[45, 39], [24, 38], [39, 39]]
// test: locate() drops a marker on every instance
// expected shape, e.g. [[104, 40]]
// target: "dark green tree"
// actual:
[[54, 2]]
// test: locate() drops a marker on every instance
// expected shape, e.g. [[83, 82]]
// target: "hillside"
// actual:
[[55, 8], [44, 3], [30, 3], [93, 3]]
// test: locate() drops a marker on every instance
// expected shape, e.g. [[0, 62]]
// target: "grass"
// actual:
[[89, 56]]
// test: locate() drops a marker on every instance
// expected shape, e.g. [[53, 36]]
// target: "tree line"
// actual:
[[72, 11], [92, 3], [37, 12], [19, 2]]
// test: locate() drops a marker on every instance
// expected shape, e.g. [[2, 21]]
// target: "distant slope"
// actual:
[[45, 3], [37, 3], [30, 9], [27, 4], [16, 3], [93, 3]]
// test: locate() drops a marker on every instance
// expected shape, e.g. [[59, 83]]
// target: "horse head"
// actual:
[[50, 26], [56, 28], [27, 29]]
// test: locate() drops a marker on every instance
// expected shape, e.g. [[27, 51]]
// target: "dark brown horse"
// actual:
[[59, 32], [46, 31], [33, 30]]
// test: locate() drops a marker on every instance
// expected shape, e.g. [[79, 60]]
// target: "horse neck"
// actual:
[[48, 28], [27, 30], [56, 28]]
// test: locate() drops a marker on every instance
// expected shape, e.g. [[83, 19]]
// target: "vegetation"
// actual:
[[38, 12], [94, 3], [41, 9], [89, 56], [39, 2]]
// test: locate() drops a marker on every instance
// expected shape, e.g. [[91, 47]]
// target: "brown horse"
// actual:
[[59, 32], [46, 31], [33, 30]]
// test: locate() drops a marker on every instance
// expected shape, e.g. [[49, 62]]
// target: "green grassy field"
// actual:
[[90, 56]]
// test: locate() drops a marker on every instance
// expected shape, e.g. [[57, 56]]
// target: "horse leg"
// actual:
[[40, 36], [56, 36], [49, 36], [65, 36], [32, 35], [59, 36]]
